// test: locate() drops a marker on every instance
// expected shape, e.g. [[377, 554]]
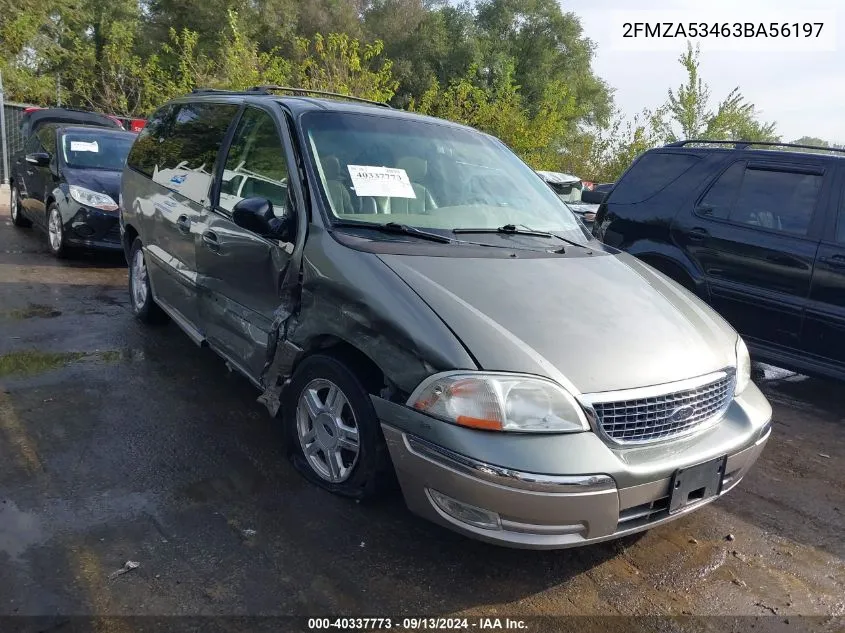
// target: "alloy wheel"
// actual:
[[13, 205], [138, 277], [327, 430], [54, 230]]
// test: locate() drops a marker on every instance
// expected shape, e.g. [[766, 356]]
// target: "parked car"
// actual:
[[66, 181], [756, 231], [572, 191], [33, 117], [420, 303], [596, 194]]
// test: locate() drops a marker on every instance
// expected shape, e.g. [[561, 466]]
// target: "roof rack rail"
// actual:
[[306, 91], [747, 144], [223, 91]]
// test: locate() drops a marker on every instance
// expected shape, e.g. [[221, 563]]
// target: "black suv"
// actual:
[[758, 231]]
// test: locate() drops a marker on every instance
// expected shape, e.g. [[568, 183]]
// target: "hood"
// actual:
[[593, 324], [100, 180], [582, 207]]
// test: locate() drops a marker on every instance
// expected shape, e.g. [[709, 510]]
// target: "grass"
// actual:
[[31, 362]]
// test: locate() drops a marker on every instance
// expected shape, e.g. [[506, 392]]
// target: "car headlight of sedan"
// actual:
[[500, 402], [743, 366], [92, 198]]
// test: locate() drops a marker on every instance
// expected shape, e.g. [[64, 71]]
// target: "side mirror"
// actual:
[[42, 159], [254, 214]]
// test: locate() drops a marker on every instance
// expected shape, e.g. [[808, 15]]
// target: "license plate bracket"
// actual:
[[695, 484]]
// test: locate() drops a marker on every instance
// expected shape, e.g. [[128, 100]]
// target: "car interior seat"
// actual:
[[338, 193], [417, 170]]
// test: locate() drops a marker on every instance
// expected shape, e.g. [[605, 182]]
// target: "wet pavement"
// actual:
[[124, 443]]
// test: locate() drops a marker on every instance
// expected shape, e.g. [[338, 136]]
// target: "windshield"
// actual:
[[90, 150], [569, 192], [428, 175]]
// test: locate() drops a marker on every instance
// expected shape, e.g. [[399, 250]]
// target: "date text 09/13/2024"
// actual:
[[416, 624]]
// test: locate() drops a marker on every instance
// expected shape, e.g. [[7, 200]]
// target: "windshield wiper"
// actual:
[[397, 229], [510, 229], [513, 229]]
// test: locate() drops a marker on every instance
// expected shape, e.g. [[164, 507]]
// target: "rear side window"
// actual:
[[717, 203], [840, 223], [189, 150], [146, 152], [778, 200], [651, 174], [774, 199]]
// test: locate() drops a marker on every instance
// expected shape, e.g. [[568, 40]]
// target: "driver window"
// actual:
[[255, 166]]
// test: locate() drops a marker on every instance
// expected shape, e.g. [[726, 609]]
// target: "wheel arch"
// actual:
[[674, 263]]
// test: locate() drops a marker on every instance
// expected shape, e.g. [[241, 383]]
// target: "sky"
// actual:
[[797, 83]]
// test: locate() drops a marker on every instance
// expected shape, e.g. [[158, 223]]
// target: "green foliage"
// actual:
[[338, 63], [518, 69], [690, 116]]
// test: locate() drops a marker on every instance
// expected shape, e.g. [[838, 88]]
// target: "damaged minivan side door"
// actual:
[[240, 262]]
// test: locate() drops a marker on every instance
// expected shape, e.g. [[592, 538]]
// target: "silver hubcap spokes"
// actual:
[[13, 205], [139, 279], [327, 430], [54, 228]]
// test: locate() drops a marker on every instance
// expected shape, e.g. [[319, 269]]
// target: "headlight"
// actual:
[[92, 198], [743, 366], [500, 402]]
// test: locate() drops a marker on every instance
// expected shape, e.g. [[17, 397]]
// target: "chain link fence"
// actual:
[[13, 114]]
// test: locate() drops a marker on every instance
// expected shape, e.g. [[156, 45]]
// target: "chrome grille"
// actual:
[[664, 416]]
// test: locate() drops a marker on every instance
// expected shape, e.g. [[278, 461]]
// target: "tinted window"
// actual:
[[145, 153], [777, 200], [255, 166], [47, 136], [189, 150], [651, 174], [840, 223], [33, 145], [717, 202]]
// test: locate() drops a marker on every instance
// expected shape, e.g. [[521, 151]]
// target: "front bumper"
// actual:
[[626, 492], [92, 228]]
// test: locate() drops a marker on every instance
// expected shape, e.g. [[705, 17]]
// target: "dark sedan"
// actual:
[[67, 181]]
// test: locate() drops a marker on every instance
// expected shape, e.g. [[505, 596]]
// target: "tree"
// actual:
[[546, 46], [690, 116], [811, 140]]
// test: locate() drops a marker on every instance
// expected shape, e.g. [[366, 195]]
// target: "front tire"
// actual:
[[15, 209], [144, 307], [56, 232], [334, 433]]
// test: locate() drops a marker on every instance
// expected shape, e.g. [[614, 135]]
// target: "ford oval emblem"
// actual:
[[681, 414]]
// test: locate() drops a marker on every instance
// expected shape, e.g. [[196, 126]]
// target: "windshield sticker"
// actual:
[[389, 182], [84, 146]]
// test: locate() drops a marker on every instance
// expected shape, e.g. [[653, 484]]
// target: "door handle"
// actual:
[[834, 261], [698, 234], [209, 238], [183, 223]]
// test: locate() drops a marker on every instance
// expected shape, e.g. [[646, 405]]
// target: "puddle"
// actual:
[[33, 311], [18, 530]]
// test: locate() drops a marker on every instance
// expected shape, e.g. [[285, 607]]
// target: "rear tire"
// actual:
[[334, 435], [15, 209], [144, 307]]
